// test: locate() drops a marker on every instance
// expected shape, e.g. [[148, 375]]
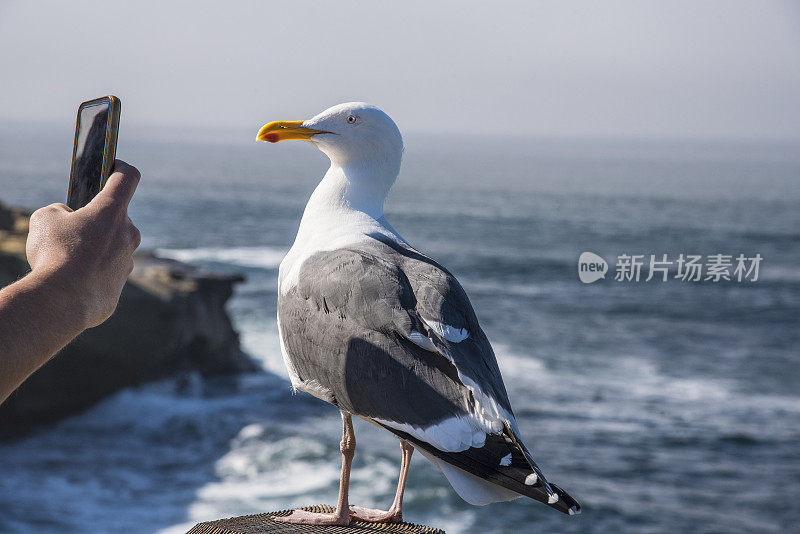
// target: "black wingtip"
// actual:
[[522, 475], [565, 503]]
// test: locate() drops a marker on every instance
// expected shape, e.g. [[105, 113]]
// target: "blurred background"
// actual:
[[534, 131]]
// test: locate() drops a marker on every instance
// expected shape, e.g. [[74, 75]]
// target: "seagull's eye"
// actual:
[[351, 119]]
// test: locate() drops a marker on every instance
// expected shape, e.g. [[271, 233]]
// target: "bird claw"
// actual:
[[372, 515], [304, 517]]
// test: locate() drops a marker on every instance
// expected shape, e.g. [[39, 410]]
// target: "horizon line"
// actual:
[[217, 134]]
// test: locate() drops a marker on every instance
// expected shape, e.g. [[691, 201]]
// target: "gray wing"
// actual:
[[353, 326]]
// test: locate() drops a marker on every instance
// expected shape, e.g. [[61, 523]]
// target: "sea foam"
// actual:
[[254, 257]]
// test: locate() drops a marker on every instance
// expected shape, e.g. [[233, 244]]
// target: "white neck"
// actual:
[[347, 194], [345, 208]]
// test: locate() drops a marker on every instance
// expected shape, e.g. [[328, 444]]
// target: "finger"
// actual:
[[136, 235], [58, 206], [49, 211], [121, 185]]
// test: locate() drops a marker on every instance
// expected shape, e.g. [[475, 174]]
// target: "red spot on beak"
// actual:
[[272, 137]]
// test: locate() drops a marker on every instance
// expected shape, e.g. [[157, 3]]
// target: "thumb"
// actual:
[[121, 185]]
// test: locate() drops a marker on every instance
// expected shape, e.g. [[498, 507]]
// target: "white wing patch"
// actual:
[[454, 434], [421, 340], [445, 331]]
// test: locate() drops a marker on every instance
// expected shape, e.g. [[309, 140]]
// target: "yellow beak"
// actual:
[[284, 130]]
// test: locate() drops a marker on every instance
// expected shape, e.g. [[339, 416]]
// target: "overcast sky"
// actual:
[[610, 68]]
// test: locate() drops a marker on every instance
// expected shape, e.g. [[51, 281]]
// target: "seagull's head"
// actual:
[[352, 134]]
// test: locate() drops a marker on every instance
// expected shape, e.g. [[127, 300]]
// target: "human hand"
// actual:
[[87, 254]]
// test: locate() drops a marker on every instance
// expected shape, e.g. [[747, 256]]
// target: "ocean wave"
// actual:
[[261, 473], [259, 338], [254, 257], [631, 394]]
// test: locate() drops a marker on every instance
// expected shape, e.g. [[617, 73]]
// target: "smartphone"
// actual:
[[94, 150]]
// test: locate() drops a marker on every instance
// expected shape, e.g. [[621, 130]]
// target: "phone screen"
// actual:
[[90, 144]]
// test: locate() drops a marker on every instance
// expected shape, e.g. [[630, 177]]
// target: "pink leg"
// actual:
[[341, 516], [395, 513]]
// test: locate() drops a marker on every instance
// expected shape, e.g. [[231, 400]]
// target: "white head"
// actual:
[[358, 138]]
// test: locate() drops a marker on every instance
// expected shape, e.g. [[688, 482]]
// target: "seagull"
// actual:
[[380, 330]]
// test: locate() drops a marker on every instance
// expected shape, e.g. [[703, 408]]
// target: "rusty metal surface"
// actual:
[[263, 523]]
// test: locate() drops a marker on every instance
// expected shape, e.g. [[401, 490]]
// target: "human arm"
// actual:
[[79, 261]]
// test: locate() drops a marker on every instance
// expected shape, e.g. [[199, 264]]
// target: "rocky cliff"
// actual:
[[171, 320]]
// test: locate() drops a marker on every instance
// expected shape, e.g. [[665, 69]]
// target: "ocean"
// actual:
[[662, 406]]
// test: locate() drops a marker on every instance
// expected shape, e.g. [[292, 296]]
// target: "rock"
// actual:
[[7, 218], [171, 321]]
